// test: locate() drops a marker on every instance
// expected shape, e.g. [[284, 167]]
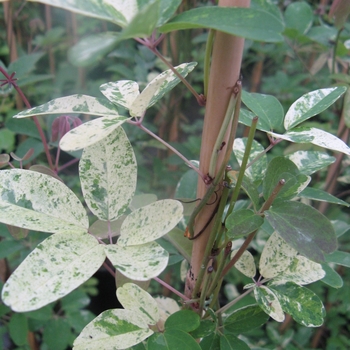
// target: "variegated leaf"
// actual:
[[256, 171], [310, 104], [122, 93], [39, 202], [117, 11], [315, 136], [300, 271], [151, 222], [308, 162], [139, 262], [113, 329], [245, 264], [135, 299], [276, 257], [91, 132], [158, 87], [73, 104], [269, 302], [108, 174], [301, 303], [58, 265]]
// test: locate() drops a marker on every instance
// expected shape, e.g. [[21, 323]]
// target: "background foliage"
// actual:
[[38, 41]]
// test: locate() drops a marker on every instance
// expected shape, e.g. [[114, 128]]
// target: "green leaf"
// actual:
[[339, 257], [172, 339], [118, 11], [282, 168], [211, 342], [91, 132], [54, 327], [332, 278], [24, 127], [242, 222], [18, 329], [301, 271], [92, 49], [256, 171], [25, 64], [308, 162], [245, 22], [303, 228], [276, 256], [143, 23], [206, 327], [73, 104], [150, 222], [266, 107], [230, 342], [39, 202], [113, 329], [301, 303], [315, 136], [245, 319], [248, 187], [108, 173], [135, 299], [269, 302], [138, 262], [299, 16], [310, 104], [167, 9], [53, 269], [183, 320], [319, 195], [9, 247]]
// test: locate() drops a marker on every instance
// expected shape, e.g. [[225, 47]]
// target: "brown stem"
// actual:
[[224, 73]]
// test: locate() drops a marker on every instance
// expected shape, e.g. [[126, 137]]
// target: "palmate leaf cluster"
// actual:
[[301, 238]]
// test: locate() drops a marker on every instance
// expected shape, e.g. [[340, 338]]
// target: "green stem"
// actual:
[[211, 240], [233, 302], [207, 57], [243, 165], [229, 116], [335, 50]]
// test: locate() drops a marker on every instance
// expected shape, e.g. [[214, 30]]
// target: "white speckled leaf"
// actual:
[[108, 173], [269, 302], [53, 269], [150, 222], [308, 162], [158, 87], [113, 329], [135, 299], [300, 271], [91, 132], [122, 93], [245, 264], [73, 104], [140, 262], [310, 104], [276, 256], [315, 136], [119, 12], [257, 171], [39, 202], [301, 303]]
